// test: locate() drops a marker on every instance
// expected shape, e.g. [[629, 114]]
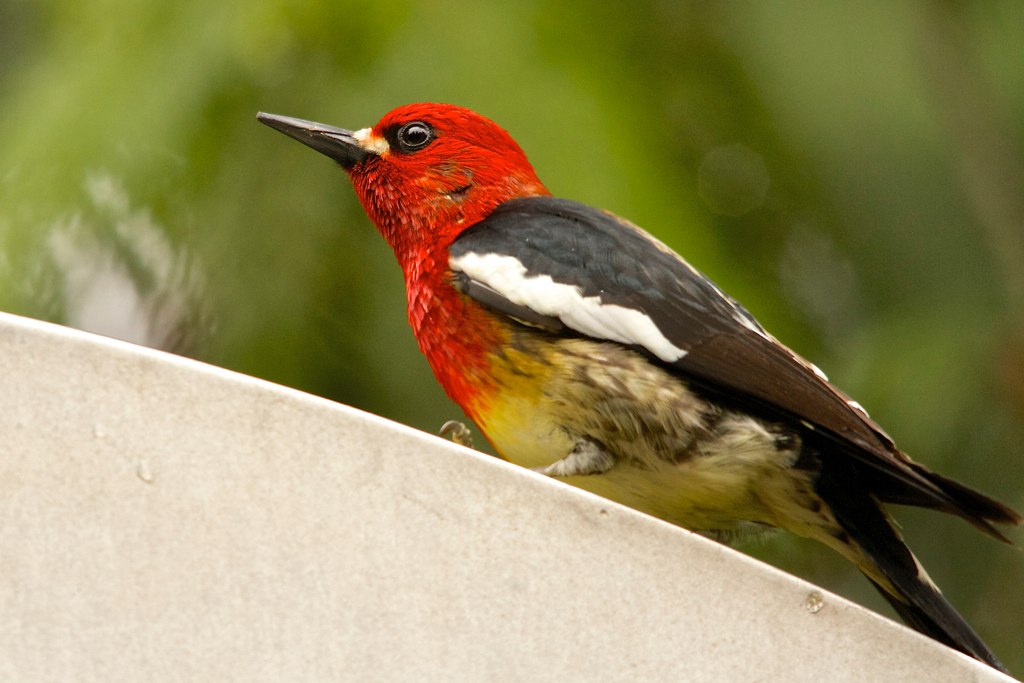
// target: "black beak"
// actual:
[[337, 143]]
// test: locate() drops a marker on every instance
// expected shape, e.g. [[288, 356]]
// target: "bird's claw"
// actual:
[[586, 458], [457, 432]]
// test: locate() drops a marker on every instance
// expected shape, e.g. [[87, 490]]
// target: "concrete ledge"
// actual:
[[168, 520]]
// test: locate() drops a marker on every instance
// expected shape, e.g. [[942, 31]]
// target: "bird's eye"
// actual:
[[414, 136]]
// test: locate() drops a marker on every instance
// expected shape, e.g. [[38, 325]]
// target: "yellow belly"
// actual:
[[553, 393]]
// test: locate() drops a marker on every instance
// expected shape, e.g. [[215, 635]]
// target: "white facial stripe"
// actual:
[[586, 314], [370, 142]]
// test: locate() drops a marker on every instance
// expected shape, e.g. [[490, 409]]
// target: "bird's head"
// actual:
[[424, 172]]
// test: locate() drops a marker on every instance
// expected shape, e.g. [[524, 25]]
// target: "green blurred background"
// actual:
[[852, 172]]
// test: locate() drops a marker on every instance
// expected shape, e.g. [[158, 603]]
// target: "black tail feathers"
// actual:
[[935, 492], [976, 508], [931, 614], [887, 561]]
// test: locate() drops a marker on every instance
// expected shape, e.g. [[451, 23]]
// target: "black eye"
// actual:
[[414, 136]]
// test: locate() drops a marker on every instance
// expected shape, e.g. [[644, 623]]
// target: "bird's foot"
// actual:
[[586, 457], [458, 432]]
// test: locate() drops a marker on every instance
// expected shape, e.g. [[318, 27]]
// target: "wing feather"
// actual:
[[587, 272]]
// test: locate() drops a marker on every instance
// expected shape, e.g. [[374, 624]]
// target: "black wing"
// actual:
[[613, 265]]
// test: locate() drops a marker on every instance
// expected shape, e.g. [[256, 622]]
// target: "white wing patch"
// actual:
[[587, 314]]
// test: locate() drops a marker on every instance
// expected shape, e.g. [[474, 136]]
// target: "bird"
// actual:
[[587, 350]]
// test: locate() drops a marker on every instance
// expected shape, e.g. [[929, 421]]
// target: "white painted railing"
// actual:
[[166, 520]]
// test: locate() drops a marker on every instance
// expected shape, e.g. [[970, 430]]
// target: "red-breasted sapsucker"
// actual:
[[584, 348]]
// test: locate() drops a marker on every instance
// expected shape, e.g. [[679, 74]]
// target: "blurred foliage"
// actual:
[[850, 171]]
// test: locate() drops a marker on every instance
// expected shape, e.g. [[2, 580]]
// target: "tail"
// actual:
[[868, 538], [975, 508]]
